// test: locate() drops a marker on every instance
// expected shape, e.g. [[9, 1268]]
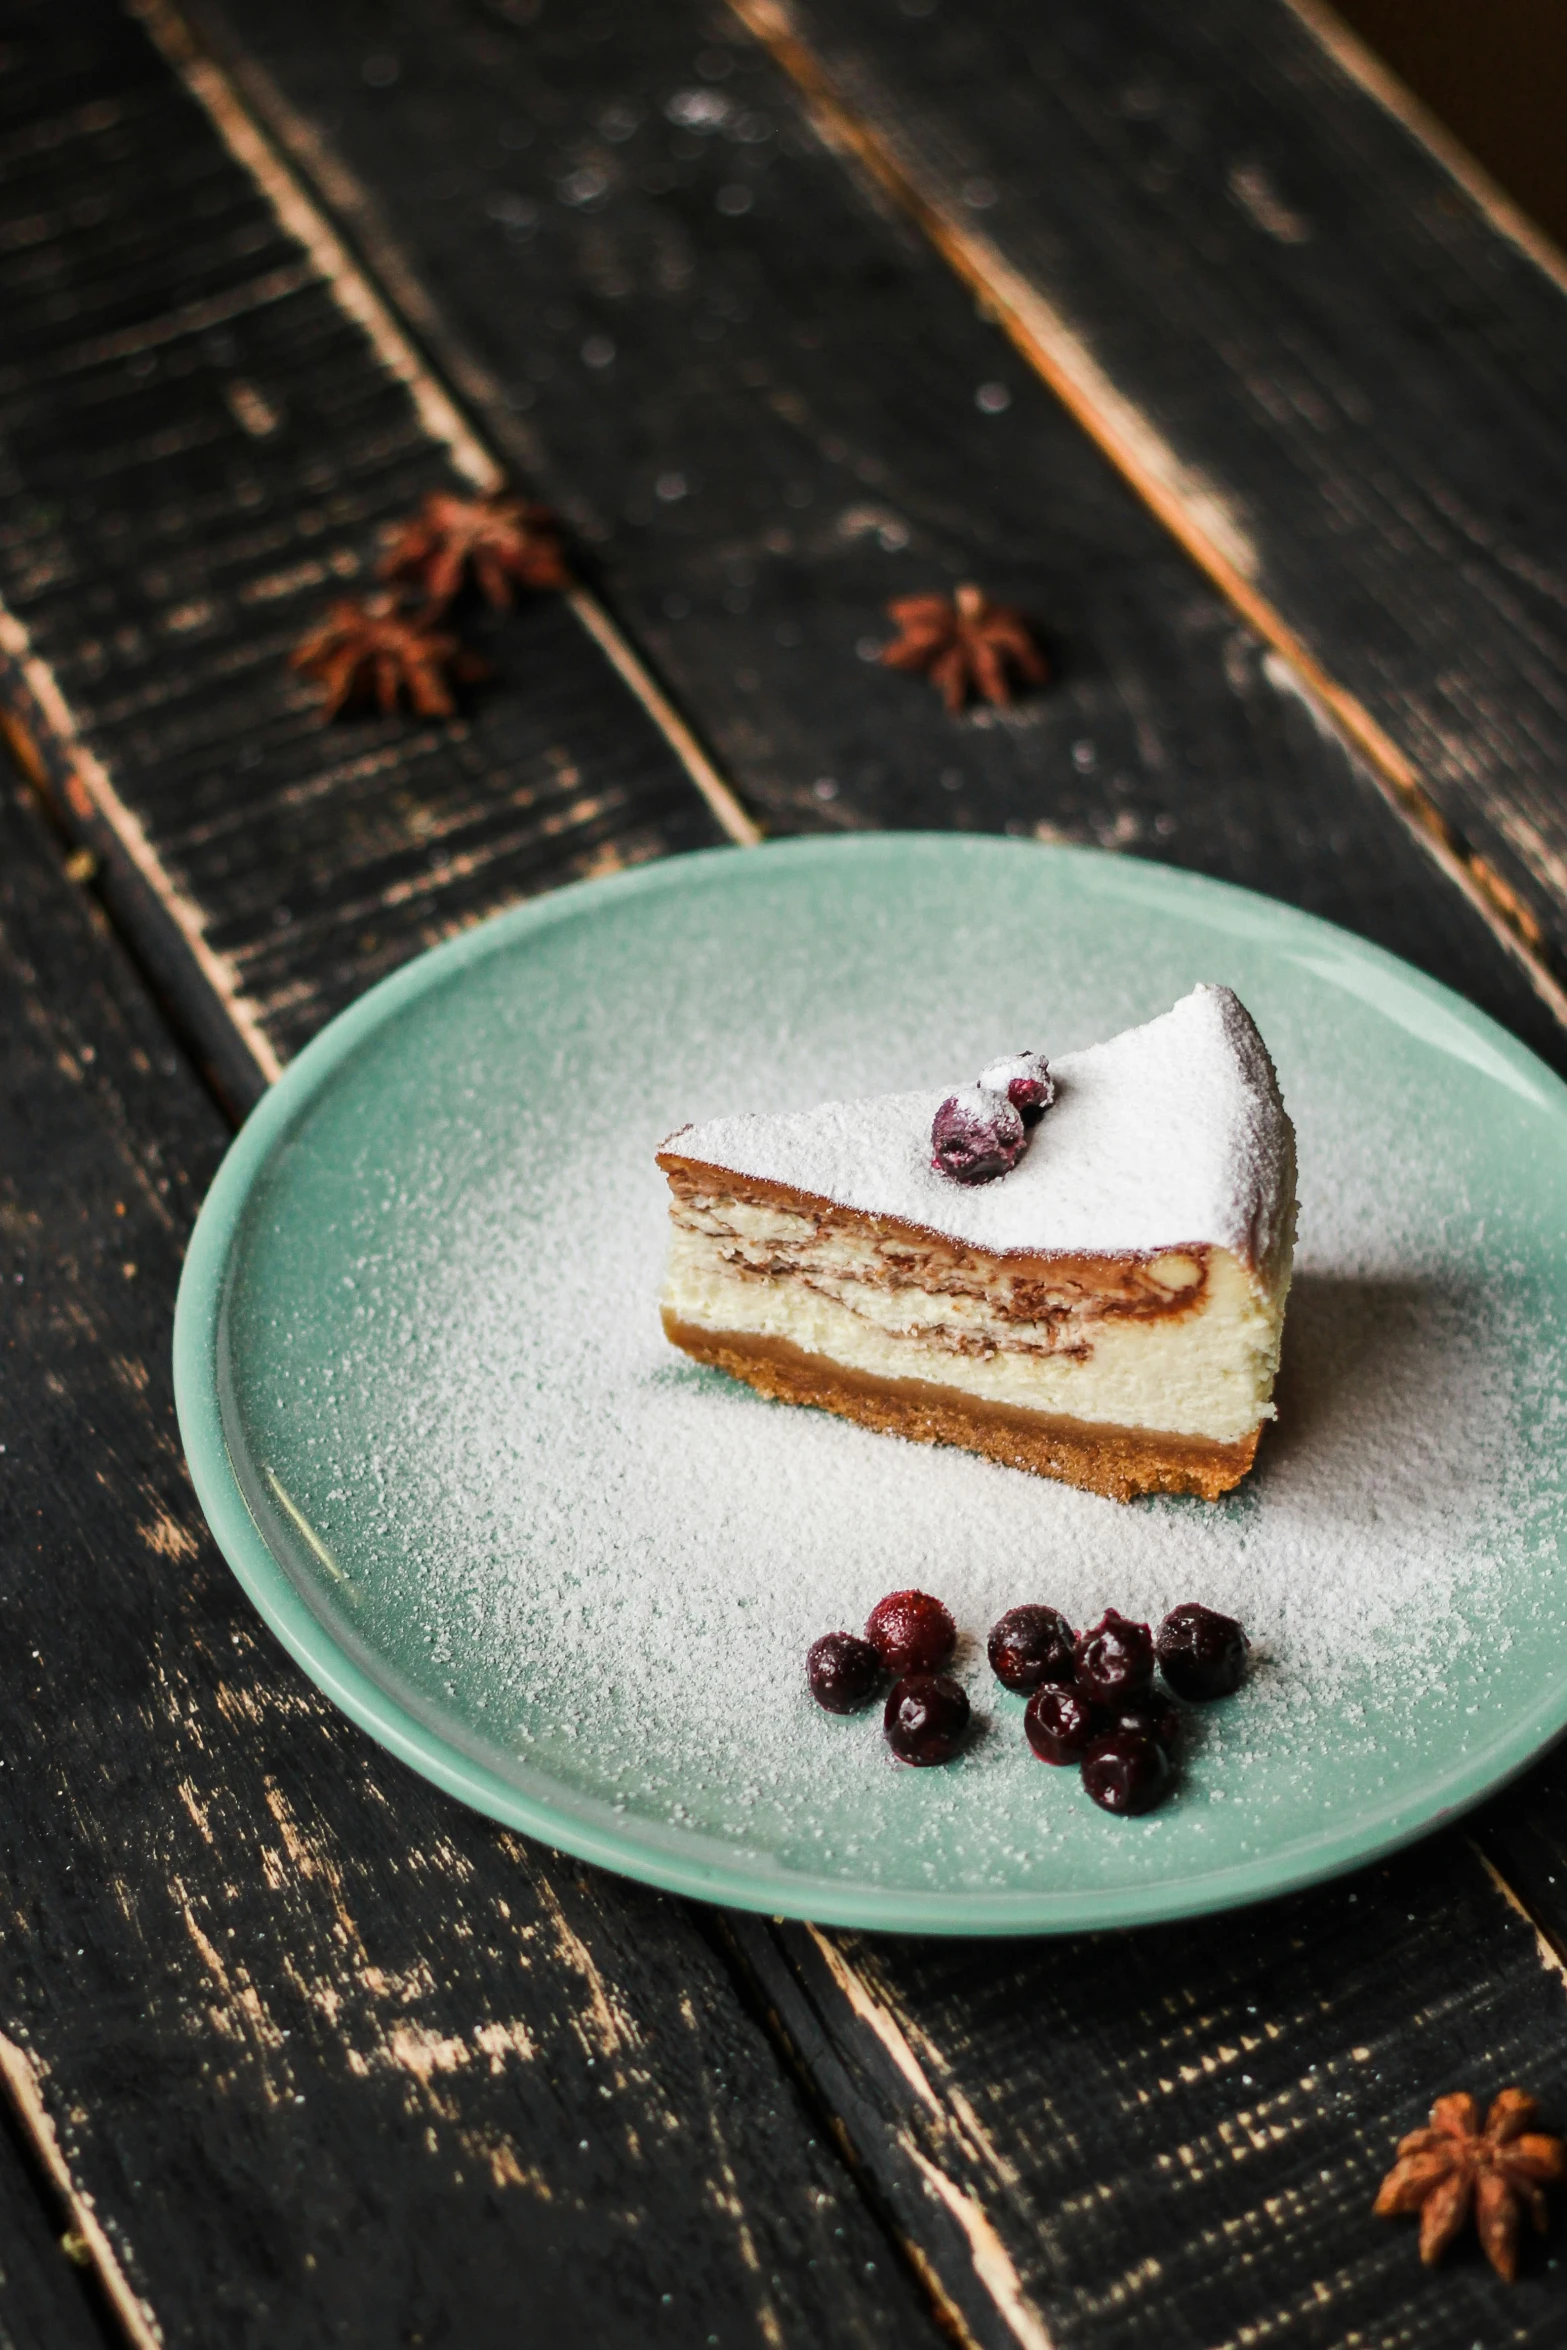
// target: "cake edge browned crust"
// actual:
[[1120, 1463]]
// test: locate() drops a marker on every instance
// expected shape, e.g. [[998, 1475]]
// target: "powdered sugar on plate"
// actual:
[[598, 1567]]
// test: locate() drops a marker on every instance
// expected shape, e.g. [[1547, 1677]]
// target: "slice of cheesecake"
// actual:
[[1108, 1312]]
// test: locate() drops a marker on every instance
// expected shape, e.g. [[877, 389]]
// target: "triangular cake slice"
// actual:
[[1109, 1312]]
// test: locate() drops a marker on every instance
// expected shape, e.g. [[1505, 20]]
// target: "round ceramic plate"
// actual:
[[571, 1576]]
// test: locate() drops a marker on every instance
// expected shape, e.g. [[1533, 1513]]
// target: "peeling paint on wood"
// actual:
[[822, 467], [1173, 2138], [1082, 176], [312, 2054], [27, 2095], [222, 543], [258, 1973], [1198, 514]]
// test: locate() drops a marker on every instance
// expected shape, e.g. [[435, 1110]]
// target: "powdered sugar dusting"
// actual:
[[629, 1556], [1170, 1134], [598, 1566]]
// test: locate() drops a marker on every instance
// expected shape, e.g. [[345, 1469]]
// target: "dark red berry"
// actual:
[[1026, 1081], [844, 1672], [1115, 1660], [1126, 1772], [1029, 1645], [911, 1632], [1061, 1723], [1201, 1654], [925, 1718], [976, 1136], [1151, 1717]]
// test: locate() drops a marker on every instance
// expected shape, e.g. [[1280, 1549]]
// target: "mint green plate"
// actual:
[[571, 1577]]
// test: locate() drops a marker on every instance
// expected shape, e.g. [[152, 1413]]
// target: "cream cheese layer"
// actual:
[[1200, 1369]]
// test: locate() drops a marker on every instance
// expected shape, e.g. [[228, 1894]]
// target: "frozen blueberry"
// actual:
[[844, 1673], [1152, 1716], [1115, 1660], [1061, 1723], [911, 1632], [925, 1718], [1126, 1772], [1201, 1654], [1026, 1081], [1029, 1645], [976, 1136]]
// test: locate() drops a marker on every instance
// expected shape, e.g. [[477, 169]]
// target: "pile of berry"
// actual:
[[1092, 1699]]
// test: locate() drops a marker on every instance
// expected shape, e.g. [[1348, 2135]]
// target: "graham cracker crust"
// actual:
[[1120, 1463]]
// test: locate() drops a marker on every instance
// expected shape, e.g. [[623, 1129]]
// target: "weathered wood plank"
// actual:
[[328, 2058], [543, 187], [45, 2300], [446, 86], [1337, 375], [1523, 1836], [332, 1838], [1171, 2140], [199, 445]]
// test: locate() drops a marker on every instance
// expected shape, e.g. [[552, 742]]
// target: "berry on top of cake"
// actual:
[[1078, 1269]]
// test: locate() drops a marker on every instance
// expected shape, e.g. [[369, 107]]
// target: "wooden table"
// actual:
[[1172, 324]]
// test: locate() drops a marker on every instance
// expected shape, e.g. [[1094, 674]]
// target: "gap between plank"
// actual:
[[1190, 509], [720, 1930], [1551, 1957], [301, 216], [1363, 67], [21, 2078], [89, 791], [993, 2264]]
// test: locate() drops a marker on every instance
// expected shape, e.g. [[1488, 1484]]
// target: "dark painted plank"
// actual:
[[1171, 2140], [1353, 365], [1489, 1953], [198, 448], [424, 82], [46, 2303], [334, 2059], [1524, 1836], [808, 370]]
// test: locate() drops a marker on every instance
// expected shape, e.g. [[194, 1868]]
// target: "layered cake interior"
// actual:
[[1108, 1312]]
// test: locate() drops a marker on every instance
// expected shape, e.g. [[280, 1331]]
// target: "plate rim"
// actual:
[[825, 1901]]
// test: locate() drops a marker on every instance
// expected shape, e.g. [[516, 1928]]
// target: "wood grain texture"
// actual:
[[1353, 377], [764, 423], [328, 2058], [1171, 2140], [199, 446], [233, 1902]]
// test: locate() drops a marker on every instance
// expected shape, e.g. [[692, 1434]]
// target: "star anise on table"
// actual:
[[965, 645], [499, 542], [1454, 2167], [368, 650]]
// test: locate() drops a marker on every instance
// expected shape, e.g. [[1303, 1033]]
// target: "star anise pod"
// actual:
[[499, 542], [367, 650], [965, 645], [1454, 2167]]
